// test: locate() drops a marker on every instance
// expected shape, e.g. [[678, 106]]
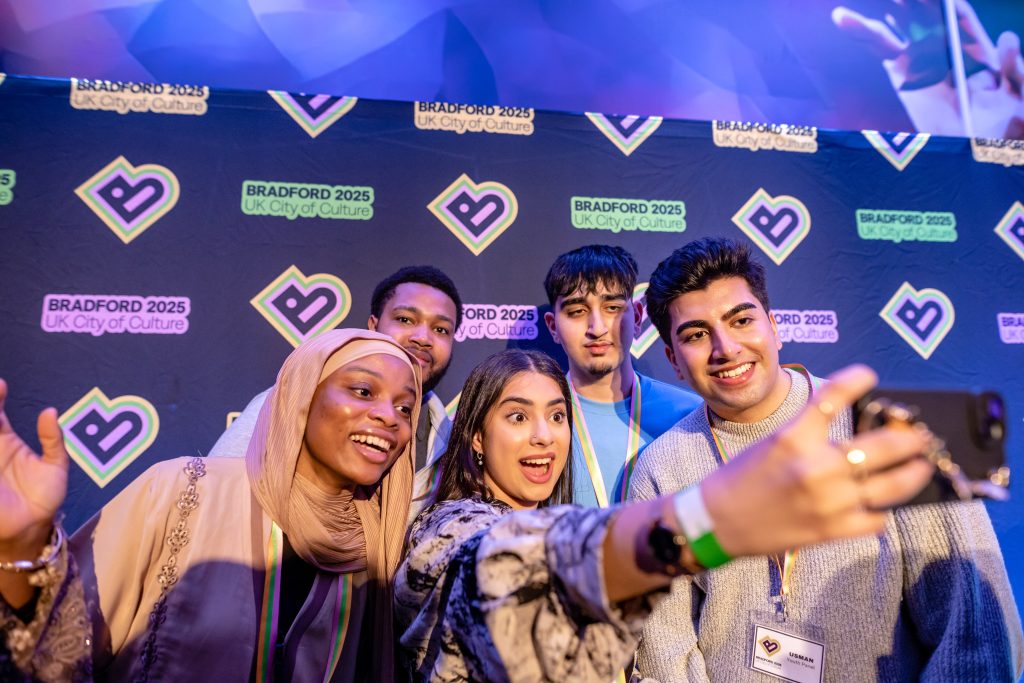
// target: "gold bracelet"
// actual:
[[46, 558]]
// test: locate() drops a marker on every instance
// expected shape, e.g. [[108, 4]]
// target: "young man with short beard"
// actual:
[[928, 599], [616, 410], [420, 308]]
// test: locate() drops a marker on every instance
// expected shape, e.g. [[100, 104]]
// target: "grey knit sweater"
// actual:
[[928, 599]]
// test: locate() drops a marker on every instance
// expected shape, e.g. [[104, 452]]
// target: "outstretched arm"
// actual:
[[800, 488]]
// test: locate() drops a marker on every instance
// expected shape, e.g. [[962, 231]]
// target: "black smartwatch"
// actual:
[[662, 551]]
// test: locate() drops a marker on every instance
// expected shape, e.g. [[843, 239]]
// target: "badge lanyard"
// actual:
[[786, 563], [587, 444], [270, 611]]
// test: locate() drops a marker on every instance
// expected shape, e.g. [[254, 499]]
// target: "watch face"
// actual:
[[664, 547]]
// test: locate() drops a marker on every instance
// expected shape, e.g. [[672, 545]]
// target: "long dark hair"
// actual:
[[461, 476]]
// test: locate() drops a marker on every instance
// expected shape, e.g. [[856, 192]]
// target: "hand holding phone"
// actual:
[[968, 447]]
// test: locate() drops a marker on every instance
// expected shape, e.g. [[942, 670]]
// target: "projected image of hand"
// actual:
[[910, 39]]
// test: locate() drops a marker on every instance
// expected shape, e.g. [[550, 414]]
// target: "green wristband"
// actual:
[[708, 552], [693, 518]]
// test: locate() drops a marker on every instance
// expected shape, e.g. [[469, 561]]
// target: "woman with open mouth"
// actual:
[[277, 566], [504, 582]]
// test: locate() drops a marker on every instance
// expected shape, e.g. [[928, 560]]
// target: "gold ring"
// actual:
[[856, 457], [827, 408]]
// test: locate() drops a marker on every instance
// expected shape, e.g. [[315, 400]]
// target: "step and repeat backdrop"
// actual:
[[164, 247]]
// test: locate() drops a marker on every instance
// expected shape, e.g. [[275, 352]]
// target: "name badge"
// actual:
[[787, 656]]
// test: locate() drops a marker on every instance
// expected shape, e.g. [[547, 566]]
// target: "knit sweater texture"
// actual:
[[927, 599]]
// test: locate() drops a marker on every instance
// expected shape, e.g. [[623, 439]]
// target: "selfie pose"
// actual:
[[927, 598], [501, 582], [273, 567]]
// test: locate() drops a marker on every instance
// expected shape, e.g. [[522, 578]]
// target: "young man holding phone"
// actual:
[[928, 599]]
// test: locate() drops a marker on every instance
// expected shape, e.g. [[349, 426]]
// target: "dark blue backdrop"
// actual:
[[147, 289]]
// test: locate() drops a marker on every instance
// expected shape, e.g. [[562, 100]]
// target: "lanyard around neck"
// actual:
[[786, 563], [589, 452], [270, 612]]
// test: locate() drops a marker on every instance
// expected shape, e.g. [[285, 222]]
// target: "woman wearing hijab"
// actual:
[[276, 567], [501, 582]]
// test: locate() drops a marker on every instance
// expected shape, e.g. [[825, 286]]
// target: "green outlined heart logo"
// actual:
[[105, 435], [626, 132], [775, 224], [314, 113], [129, 199], [1011, 228], [301, 307], [647, 332], [899, 149], [475, 213], [922, 318]]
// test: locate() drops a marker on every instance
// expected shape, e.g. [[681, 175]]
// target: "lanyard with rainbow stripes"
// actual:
[[786, 563], [587, 444], [270, 612]]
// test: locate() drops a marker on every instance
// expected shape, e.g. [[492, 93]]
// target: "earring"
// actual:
[[479, 459]]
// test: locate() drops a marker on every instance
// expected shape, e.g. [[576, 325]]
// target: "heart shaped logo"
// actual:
[[476, 214], [104, 436], [899, 149], [647, 333], [130, 199], [770, 646], [923, 318], [315, 113], [776, 224], [1011, 228], [301, 307], [626, 132]]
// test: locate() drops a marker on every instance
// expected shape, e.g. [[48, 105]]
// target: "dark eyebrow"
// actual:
[[527, 402], [418, 312], [703, 324], [582, 299]]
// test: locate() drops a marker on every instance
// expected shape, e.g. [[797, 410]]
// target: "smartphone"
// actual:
[[971, 432]]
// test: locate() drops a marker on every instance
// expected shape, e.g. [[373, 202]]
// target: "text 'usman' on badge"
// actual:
[[99, 314], [786, 656], [506, 321], [304, 200], [472, 118], [629, 215], [1011, 327], [807, 327]]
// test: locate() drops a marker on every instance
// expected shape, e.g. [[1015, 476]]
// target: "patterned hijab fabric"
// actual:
[[339, 533]]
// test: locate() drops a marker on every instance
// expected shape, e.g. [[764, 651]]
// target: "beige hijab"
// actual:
[[336, 533]]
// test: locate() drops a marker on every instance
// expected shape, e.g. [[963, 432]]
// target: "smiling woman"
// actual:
[[275, 567], [501, 581]]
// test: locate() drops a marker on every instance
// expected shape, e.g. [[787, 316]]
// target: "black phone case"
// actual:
[[965, 420]]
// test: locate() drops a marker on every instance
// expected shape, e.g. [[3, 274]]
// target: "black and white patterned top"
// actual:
[[487, 594]]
